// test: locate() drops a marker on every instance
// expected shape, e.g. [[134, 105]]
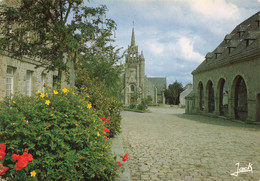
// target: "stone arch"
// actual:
[[239, 94], [258, 107], [223, 94], [210, 96]]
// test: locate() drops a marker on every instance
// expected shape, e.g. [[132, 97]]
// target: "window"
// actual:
[[43, 77], [9, 81], [29, 83], [132, 88], [55, 82]]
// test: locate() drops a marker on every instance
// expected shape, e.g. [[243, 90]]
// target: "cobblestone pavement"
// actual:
[[169, 145]]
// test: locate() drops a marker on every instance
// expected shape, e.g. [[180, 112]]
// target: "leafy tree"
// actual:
[[172, 94], [53, 32]]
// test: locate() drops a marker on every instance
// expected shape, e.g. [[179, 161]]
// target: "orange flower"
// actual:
[[125, 157]]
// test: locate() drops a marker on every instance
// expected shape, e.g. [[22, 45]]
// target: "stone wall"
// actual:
[[247, 67], [20, 68]]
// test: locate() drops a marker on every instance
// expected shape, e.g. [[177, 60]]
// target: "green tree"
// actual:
[[172, 94], [53, 32]]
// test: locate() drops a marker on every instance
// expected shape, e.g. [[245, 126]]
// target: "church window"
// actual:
[[9, 81], [132, 88]]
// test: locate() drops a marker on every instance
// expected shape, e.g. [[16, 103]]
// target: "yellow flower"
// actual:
[[14, 102], [87, 95], [51, 114], [47, 102], [55, 92], [39, 137], [89, 106], [46, 94], [33, 174], [65, 90], [26, 121], [98, 134], [38, 92], [42, 95]]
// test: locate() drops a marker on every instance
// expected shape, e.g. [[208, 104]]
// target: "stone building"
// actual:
[[19, 76], [187, 90], [227, 82], [135, 83]]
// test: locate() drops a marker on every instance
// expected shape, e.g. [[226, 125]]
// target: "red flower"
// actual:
[[119, 164], [3, 170], [106, 121], [106, 130], [125, 157], [2, 146], [2, 154], [103, 118], [22, 163], [106, 137], [26, 149], [15, 157], [23, 160]]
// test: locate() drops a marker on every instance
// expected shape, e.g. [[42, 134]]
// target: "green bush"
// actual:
[[64, 134], [132, 106], [141, 106], [105, 104]]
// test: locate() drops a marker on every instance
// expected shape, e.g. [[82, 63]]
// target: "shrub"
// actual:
[[141, 106], [105, 104], [132, 106], [62, 132]]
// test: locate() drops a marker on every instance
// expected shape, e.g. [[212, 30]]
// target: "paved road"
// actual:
[[169, 145]]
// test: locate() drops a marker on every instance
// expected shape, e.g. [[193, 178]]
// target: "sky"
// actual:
[[175, 35]]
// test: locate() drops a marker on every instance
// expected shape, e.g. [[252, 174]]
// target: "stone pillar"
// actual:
[[251, 114], [216, 101], [231, 106]]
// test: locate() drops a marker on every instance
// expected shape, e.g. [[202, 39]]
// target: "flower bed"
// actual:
[[63, 133]]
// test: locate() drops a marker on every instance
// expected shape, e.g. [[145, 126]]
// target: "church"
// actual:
[[136, 85]]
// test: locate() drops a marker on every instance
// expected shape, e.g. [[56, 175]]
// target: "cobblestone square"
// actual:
[[169, 145]]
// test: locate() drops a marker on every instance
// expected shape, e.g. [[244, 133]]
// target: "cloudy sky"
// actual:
[[175, 35]]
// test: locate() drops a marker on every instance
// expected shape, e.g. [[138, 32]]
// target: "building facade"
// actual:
[[187, 90], [227, 82], [135, 83]]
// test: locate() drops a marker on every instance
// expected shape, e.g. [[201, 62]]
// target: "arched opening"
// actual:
[[223, 97], [132, 88], [211, 102], [201, 96], [258, 107], [240, 99]]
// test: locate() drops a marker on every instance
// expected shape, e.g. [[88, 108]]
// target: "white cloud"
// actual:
[[155, 47], [187, 51], [215, 9]]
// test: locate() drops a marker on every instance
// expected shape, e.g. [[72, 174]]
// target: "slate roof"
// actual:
[[243, 41], [159, 82]]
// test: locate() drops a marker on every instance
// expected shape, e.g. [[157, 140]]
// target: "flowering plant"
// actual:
[[65, 137]]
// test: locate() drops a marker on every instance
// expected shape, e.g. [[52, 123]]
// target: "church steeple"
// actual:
[[133, 38]]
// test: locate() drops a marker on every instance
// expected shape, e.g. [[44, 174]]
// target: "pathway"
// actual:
[[169, 145]]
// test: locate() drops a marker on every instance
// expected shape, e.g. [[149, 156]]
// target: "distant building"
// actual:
[[227, 82], [136, 84], [187, 91]]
